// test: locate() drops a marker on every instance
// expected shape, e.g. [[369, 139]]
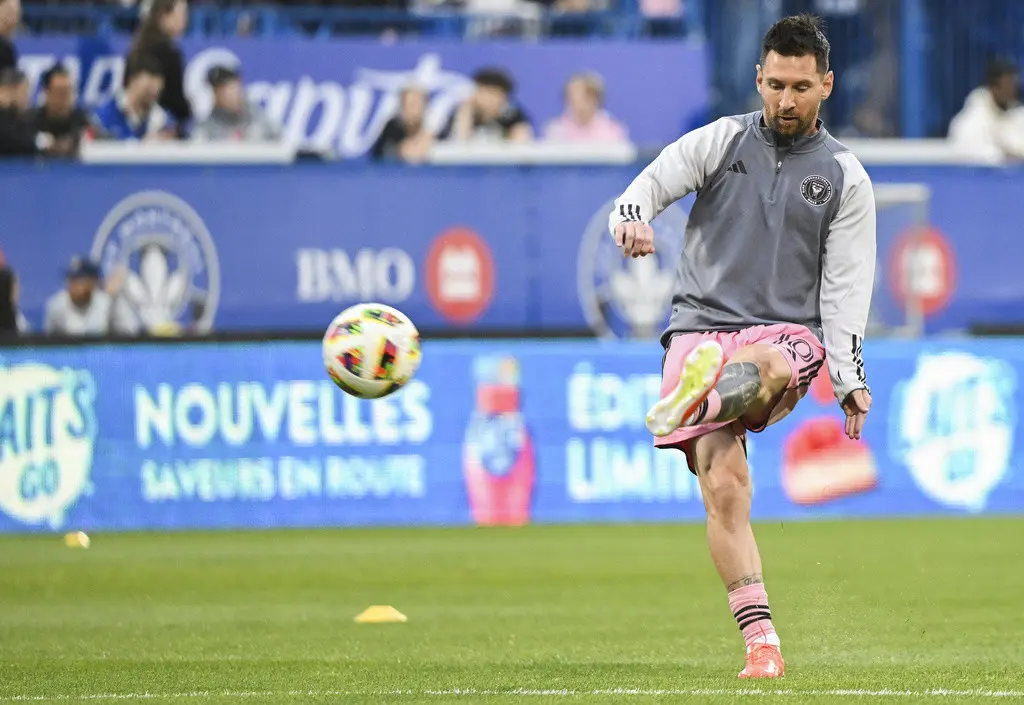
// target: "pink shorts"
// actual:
[[802, 350]]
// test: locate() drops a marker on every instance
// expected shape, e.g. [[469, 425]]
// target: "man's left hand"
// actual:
[[856, 406]]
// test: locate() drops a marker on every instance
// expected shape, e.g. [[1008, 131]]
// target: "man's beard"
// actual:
[[789, 130]]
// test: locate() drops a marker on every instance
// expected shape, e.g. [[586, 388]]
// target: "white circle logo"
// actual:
[[816, 190], [953, 425], [46, 447], [626, 297], [162, 248]]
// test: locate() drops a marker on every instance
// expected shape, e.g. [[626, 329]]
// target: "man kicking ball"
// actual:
[[779, 256]]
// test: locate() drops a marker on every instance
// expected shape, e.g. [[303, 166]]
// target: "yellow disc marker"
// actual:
[[380, 614], [76, 539]]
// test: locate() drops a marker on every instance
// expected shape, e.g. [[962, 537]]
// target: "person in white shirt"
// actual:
[[991, 123], [82, 308]]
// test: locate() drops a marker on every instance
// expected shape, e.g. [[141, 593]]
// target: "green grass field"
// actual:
[[932, 609]]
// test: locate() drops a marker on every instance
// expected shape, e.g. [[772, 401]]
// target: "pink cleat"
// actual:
[[764, 661]]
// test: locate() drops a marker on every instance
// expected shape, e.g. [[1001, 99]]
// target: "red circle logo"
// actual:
[[923, 266], [460, 275]]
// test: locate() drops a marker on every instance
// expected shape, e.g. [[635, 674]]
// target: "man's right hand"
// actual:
[[635, 238]]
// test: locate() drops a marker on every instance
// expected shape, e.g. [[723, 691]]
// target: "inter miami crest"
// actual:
[[816, 190]]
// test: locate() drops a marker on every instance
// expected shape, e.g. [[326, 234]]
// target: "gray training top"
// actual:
[[777, 234]]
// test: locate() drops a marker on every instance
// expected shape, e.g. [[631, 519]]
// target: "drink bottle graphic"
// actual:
[[498, 456]]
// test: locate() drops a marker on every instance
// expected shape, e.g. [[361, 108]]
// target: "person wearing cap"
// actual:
[[233, 118], [83, 308], [18, 137]]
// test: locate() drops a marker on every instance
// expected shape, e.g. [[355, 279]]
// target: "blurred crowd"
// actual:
[[152, 103], [649, 7], [492, 115]]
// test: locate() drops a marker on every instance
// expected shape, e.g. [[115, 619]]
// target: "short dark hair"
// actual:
[[798, 35], [141, 63], [998, 70], [494, 78], [57, 69]]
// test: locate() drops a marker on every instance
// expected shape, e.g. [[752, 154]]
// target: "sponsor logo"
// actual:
[[952, 426], [922, 269], [625, 297], [47, 436], [387, 275], [816, 190], [165, 254], [460, 275]]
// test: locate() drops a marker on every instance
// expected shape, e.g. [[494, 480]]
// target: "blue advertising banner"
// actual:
[[254, 435], [272, 248], [339, 94]]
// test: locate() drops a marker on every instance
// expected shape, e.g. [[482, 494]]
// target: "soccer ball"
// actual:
[[371, 350]]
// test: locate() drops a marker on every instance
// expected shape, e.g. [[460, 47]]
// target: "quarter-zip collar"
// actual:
[[801, 145]]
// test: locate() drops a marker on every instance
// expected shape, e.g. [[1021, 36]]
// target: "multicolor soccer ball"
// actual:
[[371, 350]]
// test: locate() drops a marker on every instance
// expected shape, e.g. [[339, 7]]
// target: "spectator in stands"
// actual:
[[661, 8], [9, 297], [490, 113], [10, 17], [16, 83], [585, 119], [991, 122], [406, 137], [9, 318], [18, 138], [84, 308], [575, 6], [59, 116], [133, 114], [234, 118], [163, 24]]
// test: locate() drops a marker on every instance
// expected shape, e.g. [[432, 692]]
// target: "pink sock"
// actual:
[[749, 605], [707, 410]]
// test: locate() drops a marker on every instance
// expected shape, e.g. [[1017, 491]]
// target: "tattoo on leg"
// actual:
[[738, 388], [746, 581]]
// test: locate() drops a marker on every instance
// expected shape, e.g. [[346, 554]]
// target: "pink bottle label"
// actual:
[[498, 456]]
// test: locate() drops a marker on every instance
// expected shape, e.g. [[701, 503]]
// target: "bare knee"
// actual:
[[774, 370]]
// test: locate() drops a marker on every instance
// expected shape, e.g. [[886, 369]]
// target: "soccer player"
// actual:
[[778, 259]]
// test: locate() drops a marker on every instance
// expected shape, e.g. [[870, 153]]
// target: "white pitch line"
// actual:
[[523, 692]]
